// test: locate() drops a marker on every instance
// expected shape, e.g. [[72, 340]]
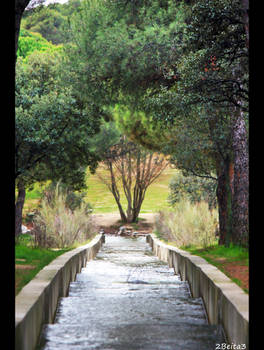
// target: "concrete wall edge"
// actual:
[[36, 303], [225, 302]]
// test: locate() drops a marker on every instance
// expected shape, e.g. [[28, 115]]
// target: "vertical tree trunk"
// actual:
[[115, 193], [122, 214], [224, 199], [241, 180], [136, 210], [245, 7], [19, 207]]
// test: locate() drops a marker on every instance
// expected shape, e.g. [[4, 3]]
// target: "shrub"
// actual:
[[188, 224], [73, 200], [57, 225], [193, 188]]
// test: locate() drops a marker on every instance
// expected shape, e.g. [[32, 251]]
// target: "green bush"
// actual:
[[73, 200], [193, 188]]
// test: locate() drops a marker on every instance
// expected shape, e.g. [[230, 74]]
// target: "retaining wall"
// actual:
[[36, 303], [225, 302]]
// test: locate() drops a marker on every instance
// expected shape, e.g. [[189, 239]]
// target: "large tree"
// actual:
[[130, 169], [52, 127], [215, 71], [192, 52]]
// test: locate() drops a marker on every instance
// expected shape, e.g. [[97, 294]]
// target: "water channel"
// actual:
[[127, 299]]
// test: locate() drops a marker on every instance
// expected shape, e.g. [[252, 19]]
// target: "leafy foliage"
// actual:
[[73, 200], [173, 75], [29, 42], [52, 130], [194, 189], [50, 21]]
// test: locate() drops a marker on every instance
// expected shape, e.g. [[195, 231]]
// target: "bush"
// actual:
[[57, 225], [73, 200], [188, 224], [193, 188]]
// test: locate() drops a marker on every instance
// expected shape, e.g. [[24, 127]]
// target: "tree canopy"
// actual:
[[178, 66], [172, 75]]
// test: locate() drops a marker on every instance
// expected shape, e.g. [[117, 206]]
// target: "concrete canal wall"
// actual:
[[36, 304], [226, 303]]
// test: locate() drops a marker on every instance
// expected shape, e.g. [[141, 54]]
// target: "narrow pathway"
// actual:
[[126, 299]]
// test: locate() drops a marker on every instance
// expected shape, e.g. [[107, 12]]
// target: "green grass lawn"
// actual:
[[103, 201], [221, 257], [232, 253], [232, 261], [29, 260]]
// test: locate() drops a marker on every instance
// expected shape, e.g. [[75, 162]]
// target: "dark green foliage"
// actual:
[[73, 199], [173, 74], [193, 188], [51, 129], [51, 21]]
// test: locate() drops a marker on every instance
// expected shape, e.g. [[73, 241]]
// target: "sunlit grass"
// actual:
[[33, 258], [102, 200]]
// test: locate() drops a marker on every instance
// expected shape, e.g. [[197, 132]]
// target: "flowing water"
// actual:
[[127, 299]]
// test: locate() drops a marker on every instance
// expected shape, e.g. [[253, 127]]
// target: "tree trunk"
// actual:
[[139, 195], [129, 213], [19, 207], [224, 199], [115, 193], [245, 7], [241, 180], [121, 211]]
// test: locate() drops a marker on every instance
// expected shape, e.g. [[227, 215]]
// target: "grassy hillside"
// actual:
[[103, 201]]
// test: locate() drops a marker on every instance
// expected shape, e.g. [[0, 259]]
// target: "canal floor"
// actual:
[[127, 299]]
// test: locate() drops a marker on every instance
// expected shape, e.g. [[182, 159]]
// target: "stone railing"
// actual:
[[36, 303], [225, 302]]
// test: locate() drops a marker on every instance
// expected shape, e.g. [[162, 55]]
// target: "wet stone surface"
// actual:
[[127, 299]]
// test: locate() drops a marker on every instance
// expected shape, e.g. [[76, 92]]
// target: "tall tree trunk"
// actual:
[[115, 193], [19, 207], [129, 212], [245, 7], [121, 211], [224, 199], [137, 201], [241, 180], [241, 160]]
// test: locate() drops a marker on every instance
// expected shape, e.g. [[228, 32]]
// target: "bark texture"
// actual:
[[19, 207], [241, 181]]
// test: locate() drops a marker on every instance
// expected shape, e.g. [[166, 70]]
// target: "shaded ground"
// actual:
[[236, 270], [110, 223]]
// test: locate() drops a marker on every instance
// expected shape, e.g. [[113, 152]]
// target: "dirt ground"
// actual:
[[110, 223], [237, 270]]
